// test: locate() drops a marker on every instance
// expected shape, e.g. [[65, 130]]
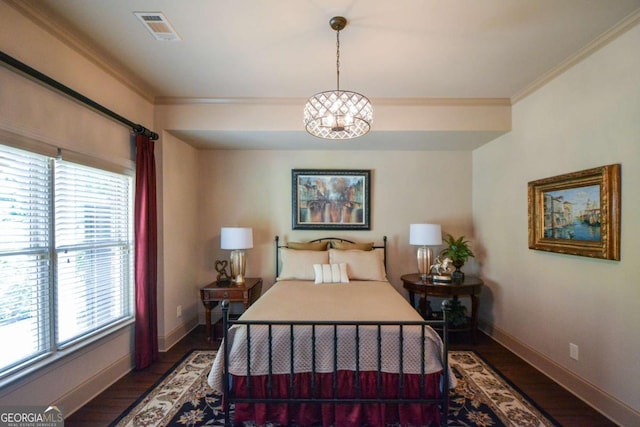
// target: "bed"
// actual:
[[332, 343]]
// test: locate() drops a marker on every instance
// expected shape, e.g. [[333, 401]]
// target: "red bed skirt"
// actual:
[[339, 415]]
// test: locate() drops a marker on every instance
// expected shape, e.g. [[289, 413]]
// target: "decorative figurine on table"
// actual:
[[442, 269], [223, 279]]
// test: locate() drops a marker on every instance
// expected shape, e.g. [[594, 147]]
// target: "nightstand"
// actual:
[[212, 294], [470, 287]]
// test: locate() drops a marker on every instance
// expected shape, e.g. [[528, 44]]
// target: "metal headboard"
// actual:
[[328, 239]]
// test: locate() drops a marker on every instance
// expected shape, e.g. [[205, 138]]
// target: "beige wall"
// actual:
[[539, 302], [29, 109], [253, 188], [178, 207]]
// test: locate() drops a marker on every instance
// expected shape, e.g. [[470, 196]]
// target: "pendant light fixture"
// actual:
[[338, 114]]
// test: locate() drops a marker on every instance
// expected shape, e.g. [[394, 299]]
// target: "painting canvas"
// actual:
[[330, 199], [573, 213], [577, 213]]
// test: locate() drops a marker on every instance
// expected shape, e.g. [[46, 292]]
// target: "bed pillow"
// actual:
[[331, 273], [336, 244], [361, 265], [298, 264], [308, 246]]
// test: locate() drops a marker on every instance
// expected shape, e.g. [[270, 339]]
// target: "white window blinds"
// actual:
[[94, 238], [66, 257], [25, 207]]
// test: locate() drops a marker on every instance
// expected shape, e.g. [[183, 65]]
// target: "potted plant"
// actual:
[[459, 252], [458, 314]]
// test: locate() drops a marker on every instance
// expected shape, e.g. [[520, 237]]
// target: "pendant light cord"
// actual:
[[338, 59]]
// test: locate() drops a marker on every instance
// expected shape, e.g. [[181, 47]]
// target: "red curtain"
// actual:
[[146, 254]]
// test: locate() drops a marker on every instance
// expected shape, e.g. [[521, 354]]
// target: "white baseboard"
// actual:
[[169, 340], [84, 393], [89, 389], [601, 401]]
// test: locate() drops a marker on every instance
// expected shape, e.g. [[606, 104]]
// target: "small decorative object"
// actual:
[[223, 278], [442, 269], [330, 199], [577, 213], [425, 235], [458, 251], [237, 239]]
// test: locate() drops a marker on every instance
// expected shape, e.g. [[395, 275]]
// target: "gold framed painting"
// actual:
[[577, 213]]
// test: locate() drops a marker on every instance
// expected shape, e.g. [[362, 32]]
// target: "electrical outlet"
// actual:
[[573, 351], [179, 311]]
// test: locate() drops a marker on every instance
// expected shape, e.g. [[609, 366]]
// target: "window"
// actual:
[[66, 254]]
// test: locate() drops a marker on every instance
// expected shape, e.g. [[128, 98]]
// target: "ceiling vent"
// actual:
[[158, 25]]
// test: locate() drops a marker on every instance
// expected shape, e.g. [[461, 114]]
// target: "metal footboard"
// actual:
[[442, 402]]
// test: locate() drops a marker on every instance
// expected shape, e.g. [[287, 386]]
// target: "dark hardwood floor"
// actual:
[[556, 401]]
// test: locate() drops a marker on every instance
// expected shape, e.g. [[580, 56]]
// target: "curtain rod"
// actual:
[[72, 93]]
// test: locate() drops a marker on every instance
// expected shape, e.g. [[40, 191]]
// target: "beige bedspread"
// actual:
[[305, 301]]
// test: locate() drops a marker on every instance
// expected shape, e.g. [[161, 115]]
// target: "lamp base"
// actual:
[[238, 263], [424, 258]]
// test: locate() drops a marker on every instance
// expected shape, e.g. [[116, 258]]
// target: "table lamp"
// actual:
[[237, 239], [425, 235]]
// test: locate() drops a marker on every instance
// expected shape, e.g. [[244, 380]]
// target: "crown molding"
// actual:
[[36, 12], [400, 102], [601, 41]]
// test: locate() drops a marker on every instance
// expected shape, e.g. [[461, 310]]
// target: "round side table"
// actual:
[[469, 287]]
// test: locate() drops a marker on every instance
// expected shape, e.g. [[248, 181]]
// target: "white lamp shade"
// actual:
[[236, 238], [425, 234]]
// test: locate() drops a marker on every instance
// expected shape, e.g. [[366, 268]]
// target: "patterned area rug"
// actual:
[[183, 397]]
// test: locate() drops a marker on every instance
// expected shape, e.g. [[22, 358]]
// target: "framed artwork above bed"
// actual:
[[329, 199]]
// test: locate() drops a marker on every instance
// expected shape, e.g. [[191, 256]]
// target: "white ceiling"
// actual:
[[416, 49]]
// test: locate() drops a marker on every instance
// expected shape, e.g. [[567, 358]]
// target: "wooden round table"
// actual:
[[469, 287]]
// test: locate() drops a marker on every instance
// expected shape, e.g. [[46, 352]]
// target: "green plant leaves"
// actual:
[[458, 249]]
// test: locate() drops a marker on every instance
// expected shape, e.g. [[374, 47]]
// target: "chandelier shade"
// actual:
[[338, 114]]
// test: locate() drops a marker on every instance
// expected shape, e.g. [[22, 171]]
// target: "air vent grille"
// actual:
[[158, 25]]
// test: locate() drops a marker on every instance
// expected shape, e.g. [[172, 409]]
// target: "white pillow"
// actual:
[[361, 265], [331, 273], [298, 264]]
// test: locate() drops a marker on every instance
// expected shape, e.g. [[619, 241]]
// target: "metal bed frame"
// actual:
[[442, 402]]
